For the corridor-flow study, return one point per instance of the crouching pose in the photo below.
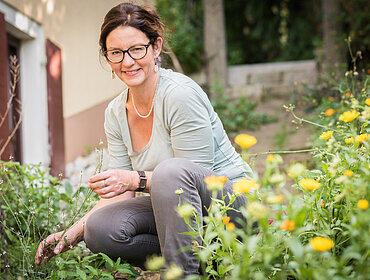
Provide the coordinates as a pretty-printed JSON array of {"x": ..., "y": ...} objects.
[{"x": 162, "y": 134}]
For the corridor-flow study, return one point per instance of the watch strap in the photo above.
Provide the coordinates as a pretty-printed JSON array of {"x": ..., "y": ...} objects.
[{"x": 142, "y": 183}]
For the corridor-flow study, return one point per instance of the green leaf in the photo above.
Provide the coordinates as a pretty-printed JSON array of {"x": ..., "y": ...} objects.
[
  {"x": 108, "y": 260},
  {"x": 296, "y": 247},
  {"x": 125, "y": 270},
  {"x": 93, "y": 270},
  {"x": 68, "y": 187},
  {"x": 81, "y": 273}
]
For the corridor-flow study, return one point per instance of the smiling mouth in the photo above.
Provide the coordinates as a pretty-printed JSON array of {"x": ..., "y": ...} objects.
[{"x": 131, "y": 72}]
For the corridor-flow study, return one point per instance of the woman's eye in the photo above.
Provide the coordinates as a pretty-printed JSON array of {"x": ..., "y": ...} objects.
[{"x": 136, "y": 49}]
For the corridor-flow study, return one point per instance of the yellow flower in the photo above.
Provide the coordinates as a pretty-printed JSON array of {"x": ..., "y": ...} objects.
[
  {"x": 273, "y": 199},
  {"x": 270, "y": 158},
  {"x": 348, "y": 173},
  {"x": 296, "y": 170},
  {"x": 245, "y": 141},
  {"x": 215, "y": 183},
  {"x": 363, "y": 204},
  {"x": 174, "y": 272},
  {"x": 154, "y": 262},
  {"x": 288, "y": 225},
  {"x": 185, "y": 210},
  {"x": 326, "y": 135},
  {"x": 349, "y": 116},
  {"x": 309, "y": 184},
  {"x": 321, "y": 244},
  {"x": 361, "y": 138},
  {"x": 367, "y": 101},
  {"x": 226, "y": 219},
  {"x": 257, "y": 210},
  {"x": 230, "y": 226},
  {"x": 349, "y": 140},
  {"x": 245, "y": 185},
  {"x": 329, "y": 112},
  {"x": 276, "y": 178}
]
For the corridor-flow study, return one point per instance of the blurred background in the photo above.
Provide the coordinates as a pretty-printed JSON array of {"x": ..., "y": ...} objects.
[{"x": 245, "y": 54}]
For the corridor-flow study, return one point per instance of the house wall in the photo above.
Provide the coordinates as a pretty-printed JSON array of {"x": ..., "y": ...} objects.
[{"x": 74, "y": 26}]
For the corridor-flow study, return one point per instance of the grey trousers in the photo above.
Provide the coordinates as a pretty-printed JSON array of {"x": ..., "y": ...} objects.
[{"x": 136, "y": 228}]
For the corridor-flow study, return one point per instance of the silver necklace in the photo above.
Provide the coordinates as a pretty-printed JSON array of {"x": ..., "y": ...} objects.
[{"x": 141, "y": 116}]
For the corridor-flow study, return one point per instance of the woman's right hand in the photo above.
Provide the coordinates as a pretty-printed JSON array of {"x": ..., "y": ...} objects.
[{"x": 55, "y": 243}]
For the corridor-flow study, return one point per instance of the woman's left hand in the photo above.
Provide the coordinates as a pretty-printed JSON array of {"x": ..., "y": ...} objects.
[{"x": 111, "y": 183}]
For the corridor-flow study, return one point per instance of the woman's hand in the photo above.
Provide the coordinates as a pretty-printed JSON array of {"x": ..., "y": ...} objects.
[
  {"x": 111, "y": 183},
  {"x": 55, "y": 243}
]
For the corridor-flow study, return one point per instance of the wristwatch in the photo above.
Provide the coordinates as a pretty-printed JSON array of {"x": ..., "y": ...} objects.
[{"x": 142, "y": 184}]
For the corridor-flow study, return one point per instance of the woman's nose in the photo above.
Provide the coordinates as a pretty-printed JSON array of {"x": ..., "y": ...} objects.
[{"x": 127, "y": 60}]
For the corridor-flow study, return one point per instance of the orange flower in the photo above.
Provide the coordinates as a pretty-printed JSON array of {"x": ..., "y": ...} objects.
[
  {"x": 361, "y": 138},
  {"x": 330, "y": 98},
  {"x": 321, "y": 244},
  {"x": 230, "y": 226},
  {"x": 349, "y": 116},
  {"x": 349, "y": 140},
  {"x": 226, "y": 219},
  {"x": 322, "y": 203},
  {"x": 309, "y": 184},
  {"x": 245, "y": 141},
  {"x": 288, "y": 225},
  {"x": 326, "y": 135},
  {"x": 275, "y": 199},
  {"x": 329, "y": 112},
  {"x": 348, "y": 94},
  {"x": 215, "y": 183}
]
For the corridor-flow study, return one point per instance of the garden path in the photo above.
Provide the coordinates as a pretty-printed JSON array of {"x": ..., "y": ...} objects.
[{"x": 279, "y": 135}]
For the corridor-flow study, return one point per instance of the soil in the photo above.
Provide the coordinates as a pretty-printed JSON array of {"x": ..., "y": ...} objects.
[{"x": 279, "y": 135}]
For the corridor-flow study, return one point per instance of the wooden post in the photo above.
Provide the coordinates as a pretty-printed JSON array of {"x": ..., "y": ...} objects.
[
  {"x": 4, "y": 90},
  {"x": 55, "y": 108}
]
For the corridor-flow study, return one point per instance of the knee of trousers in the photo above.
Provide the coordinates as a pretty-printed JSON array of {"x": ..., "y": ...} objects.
[
  {"x": 101, "y": 235},
  {"x": 169, "y": 174}
]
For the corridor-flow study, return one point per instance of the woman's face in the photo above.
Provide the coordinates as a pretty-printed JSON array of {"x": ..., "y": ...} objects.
[{"x": 133, "y": 72}]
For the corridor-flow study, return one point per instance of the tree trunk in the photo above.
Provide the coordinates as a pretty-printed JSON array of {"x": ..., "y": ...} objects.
[
  {"x": 334, "y": 45},
  {"x": 215, "y": 43}
]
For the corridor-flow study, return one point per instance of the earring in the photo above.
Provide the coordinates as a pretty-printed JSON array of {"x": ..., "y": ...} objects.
[
  {"x": 156, "y": 68},
  {"x": 113, "y": 76}
]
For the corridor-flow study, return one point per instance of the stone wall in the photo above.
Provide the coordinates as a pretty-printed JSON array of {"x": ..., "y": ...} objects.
[{"x": 278, "y": 78}]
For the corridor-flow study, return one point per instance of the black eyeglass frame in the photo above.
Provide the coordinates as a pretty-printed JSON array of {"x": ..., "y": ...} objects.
[{"x": 127, "y": 51}]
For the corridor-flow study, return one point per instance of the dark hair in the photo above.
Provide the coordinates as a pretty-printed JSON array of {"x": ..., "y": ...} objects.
[{"x": 127, "y": 14}]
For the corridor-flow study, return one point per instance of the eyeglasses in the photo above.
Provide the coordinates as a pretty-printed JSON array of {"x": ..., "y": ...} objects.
[{"x": 135, "y": 52}]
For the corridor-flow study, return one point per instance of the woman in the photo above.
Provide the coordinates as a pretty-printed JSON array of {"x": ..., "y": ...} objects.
[{"x": 163, "y": 134}]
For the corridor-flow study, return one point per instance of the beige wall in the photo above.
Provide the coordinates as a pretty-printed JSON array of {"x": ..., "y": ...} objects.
[{"x": 74, "y": 25}]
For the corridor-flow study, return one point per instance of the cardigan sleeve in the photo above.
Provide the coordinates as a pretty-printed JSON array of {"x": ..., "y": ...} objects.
[
  {"x": 118, "y": 154},
  {"x": 190, "y": 126}
]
